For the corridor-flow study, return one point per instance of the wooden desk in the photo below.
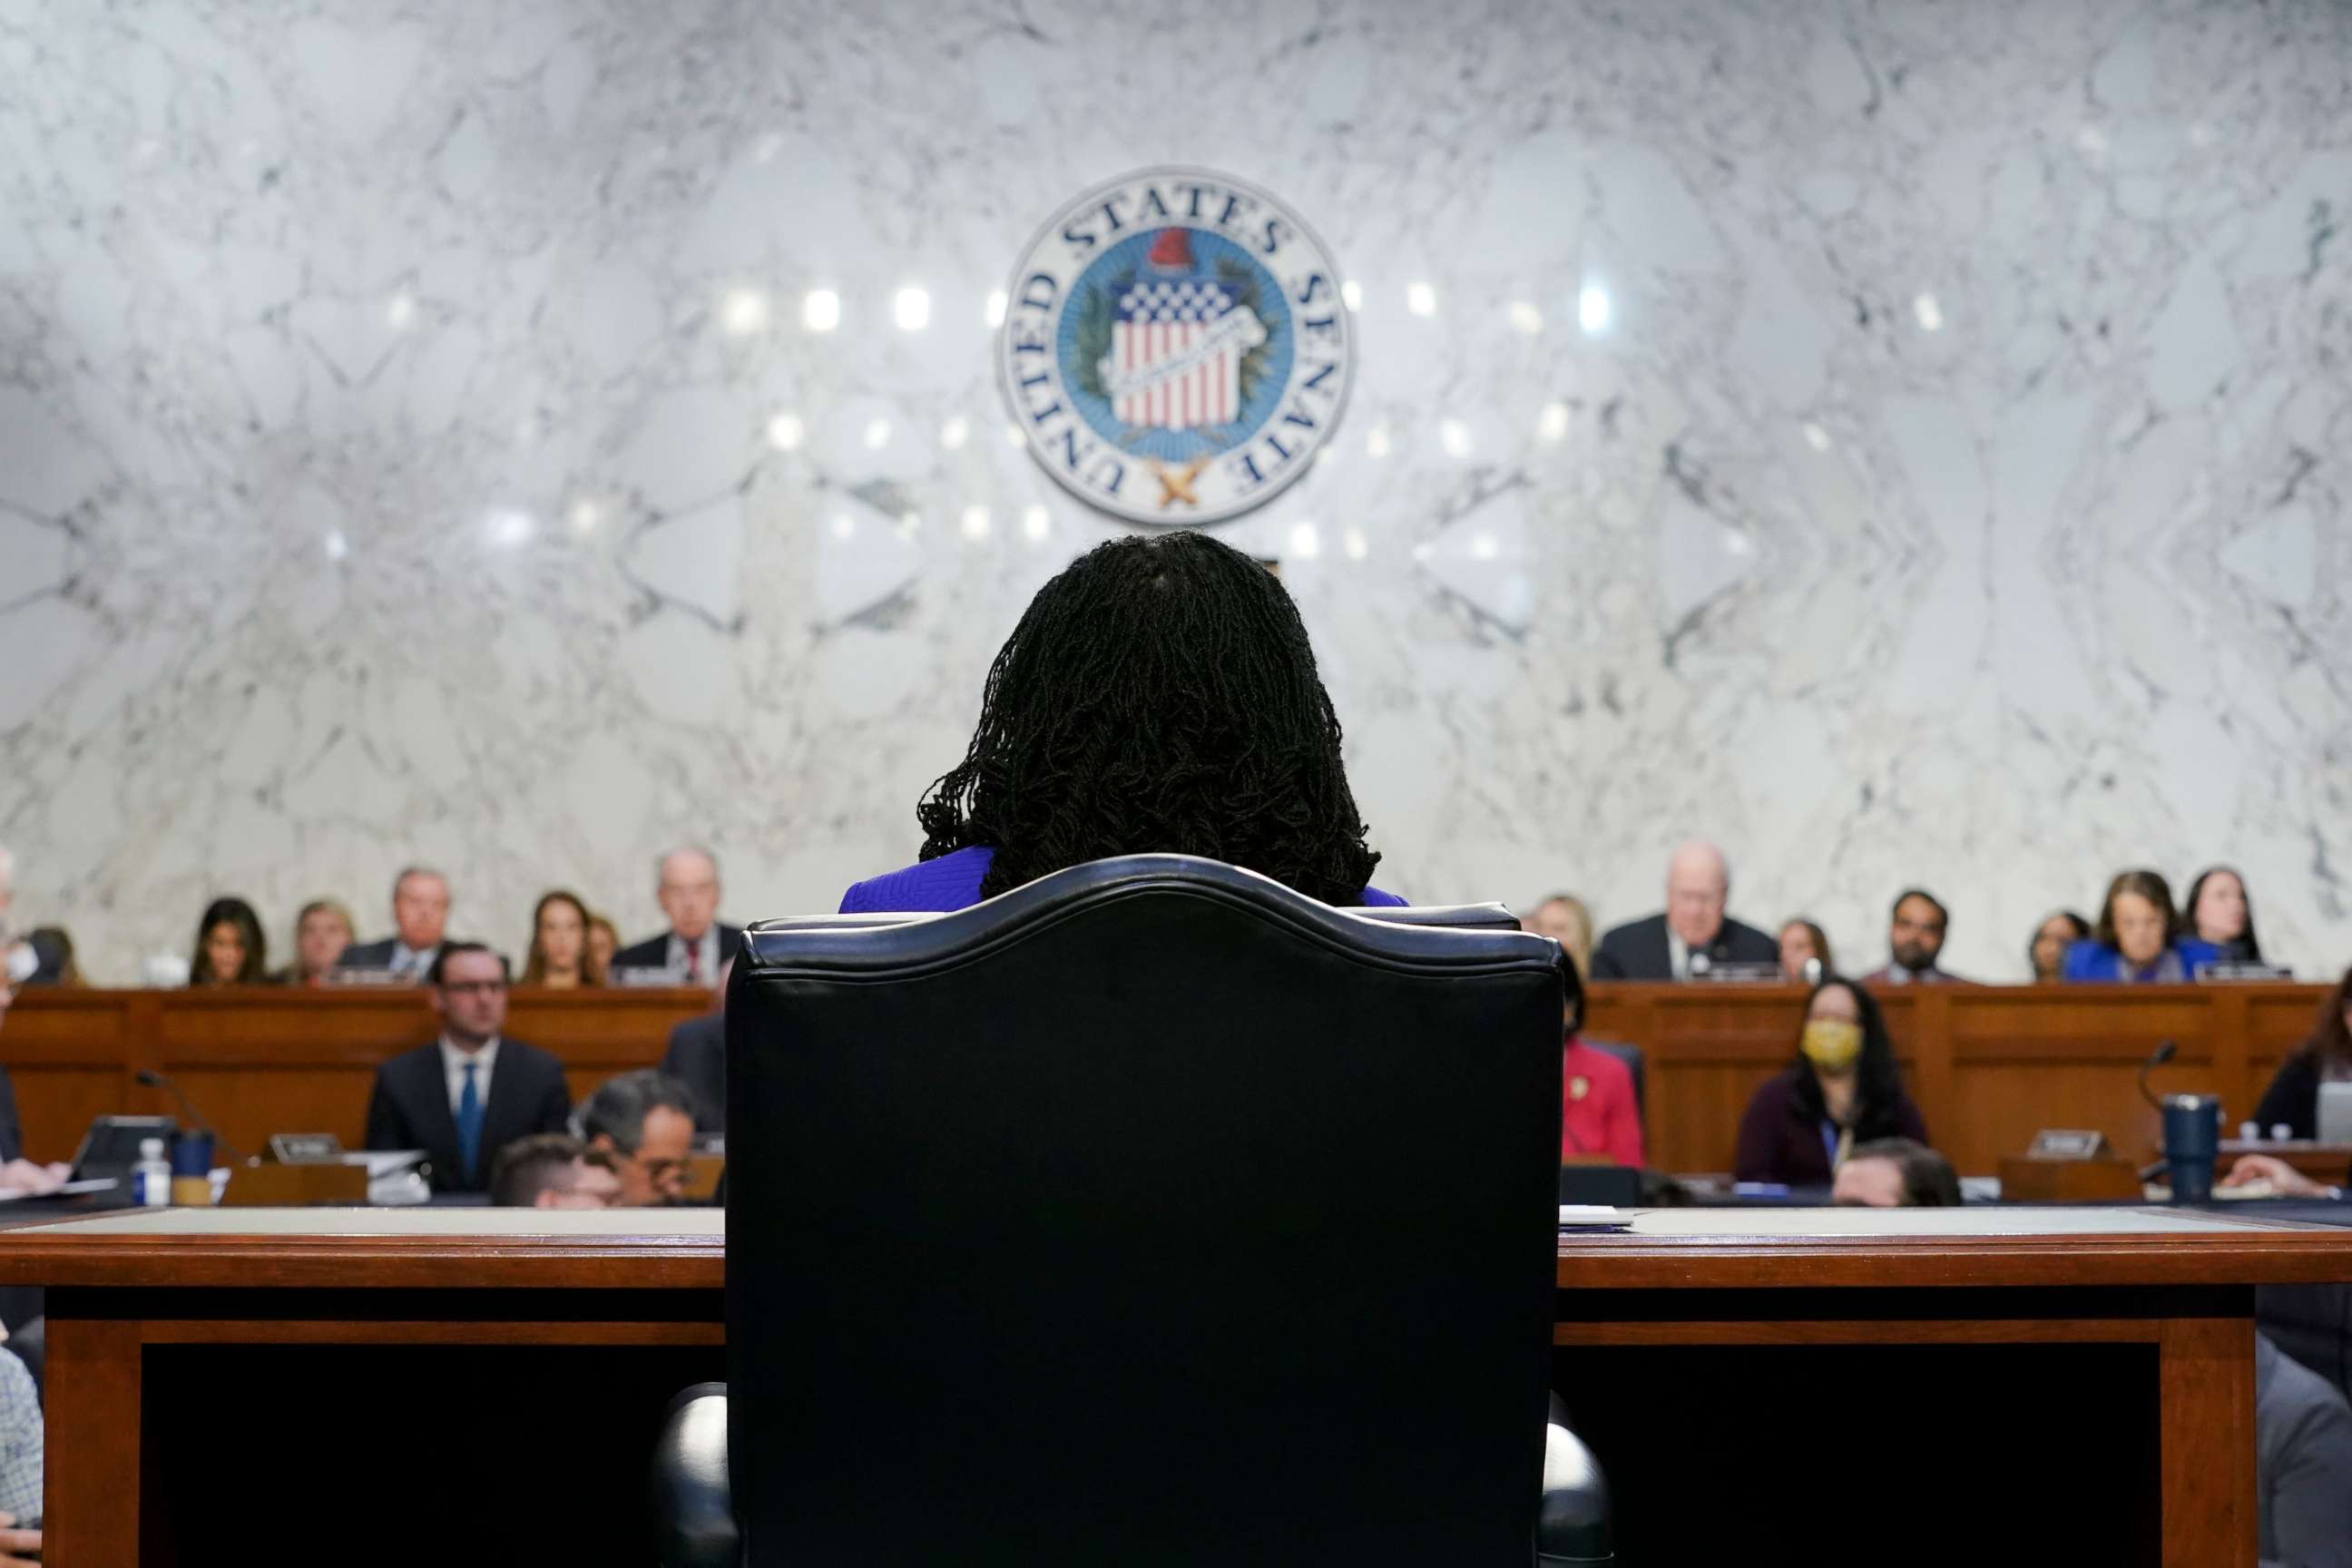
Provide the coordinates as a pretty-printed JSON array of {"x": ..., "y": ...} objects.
[
  {"x": 1988, "y": 1065},
  {"x": 260, "y": 1060},
  {"x": 221, "y": 1357}
]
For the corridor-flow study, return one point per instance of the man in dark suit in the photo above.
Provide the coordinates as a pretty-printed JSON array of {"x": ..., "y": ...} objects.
[
  {"x": 420, "y": 915},
  {"x": 686, "y": 885},
  {"x": 697, "y": 1057},
  {"x": 470, "y": 1093},
  {"x": 1693, "y": 933}
]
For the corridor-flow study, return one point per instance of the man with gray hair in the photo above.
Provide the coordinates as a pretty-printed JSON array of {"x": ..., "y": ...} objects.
[
  {"x": 1693, "y": 934},
  {"x": 686, "y": 885},
  {"x": 420, "y": 919},
  {"x": 644, "y": 1123}
]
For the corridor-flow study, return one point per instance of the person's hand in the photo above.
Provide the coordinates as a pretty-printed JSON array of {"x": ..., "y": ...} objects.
[
  {"x": 24, "y": 1177},
  {"x": 2283, "y": 1178},
  {"x": 18, "y": 1548}
]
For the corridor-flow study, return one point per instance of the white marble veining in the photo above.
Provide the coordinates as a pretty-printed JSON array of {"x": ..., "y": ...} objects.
[{"x": 1906, "y": 442}]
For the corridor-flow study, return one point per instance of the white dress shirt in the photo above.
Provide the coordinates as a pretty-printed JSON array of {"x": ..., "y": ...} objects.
[
  {"x": 1677, "y": 955},
  {"x": 411, "y": 961},
  {"x": 453, "y": 1068}
]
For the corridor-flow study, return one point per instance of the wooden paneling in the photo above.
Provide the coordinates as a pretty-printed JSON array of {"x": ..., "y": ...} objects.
[
  {"x": 262, "y": 1060},
  {"x": 1989, "y": 1066}
]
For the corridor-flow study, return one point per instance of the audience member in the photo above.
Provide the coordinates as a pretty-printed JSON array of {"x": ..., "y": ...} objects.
[
  {"x": 1896, "y": 1173},
  {"x": 1598, "y": 1112},
  {"x": 322, "y": 934},
  {"x": 697, "y": 1057},
  {"x": 1691, "y": 934},
  {"x": 230, "y": 947},
  {"x": 686, "y": 885},
  {"x": 19, "y": 1175},
  {"x": 642, "y": 1121},
  {"x": 2302, "y": 1465},
  {"x": 2325, "y": 1057},
  {"x": 1805, "y": 952},
  {"x": 54, "y": 963},
  {"x": 1159, "y": 694},
  {"x": 1914, "y": 943},
  {"x": 22, "y": 1477},
  {"x": 19, "y": 963},
  {"x": 559, "y": 955},
  {"x": 420, "y": 917},
  {"x": 553, "y": 1170},
  {"x": 470, "y": 1093},
  {"x": 2138, "y": 936},
  {"x": 1565, "y": 920},
  {"x": 2218, "y": 911},
  {"x": 603, "y": 945},
  {"x": 2047, "y": 951},
  {"x": 1842, "y": 1091}
]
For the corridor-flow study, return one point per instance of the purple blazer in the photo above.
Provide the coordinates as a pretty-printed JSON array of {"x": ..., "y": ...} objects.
[{"x": 953, "y": 883}]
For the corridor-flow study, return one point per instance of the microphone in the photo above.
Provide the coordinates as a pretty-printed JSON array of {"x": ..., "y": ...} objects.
[
  {"x": 164, "y": 1081},
  {"x": 2155, "y": 1058}
]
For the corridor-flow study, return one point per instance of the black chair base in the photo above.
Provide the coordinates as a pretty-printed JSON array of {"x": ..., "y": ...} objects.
[{"x": 697, "y": 1520}]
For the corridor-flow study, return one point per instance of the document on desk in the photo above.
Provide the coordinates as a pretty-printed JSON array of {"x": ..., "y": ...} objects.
[
  {"x": 1594, "y": 1216},
  {"x": 71, "y": 1189}
]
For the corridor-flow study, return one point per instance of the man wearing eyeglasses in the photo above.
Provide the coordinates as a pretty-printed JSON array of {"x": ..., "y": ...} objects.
[
  {"x": 644, "y": 1121},
  {"x": 470, "y": 1093}
]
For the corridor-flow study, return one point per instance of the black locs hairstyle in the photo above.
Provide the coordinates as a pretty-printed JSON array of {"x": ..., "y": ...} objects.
[{"x": 1159, "y": 696}]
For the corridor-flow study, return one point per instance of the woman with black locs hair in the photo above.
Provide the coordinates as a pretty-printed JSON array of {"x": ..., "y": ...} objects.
[{"x": 1159, "y": 696}]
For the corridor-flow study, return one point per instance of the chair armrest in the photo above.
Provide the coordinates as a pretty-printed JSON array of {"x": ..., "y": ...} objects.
[
  {"x": 1573, "y": 1526},
  {"x": 694, "y": 1514}
]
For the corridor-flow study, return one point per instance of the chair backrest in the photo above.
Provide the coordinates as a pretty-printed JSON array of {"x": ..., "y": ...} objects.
[
  {"x": 1149, "y": 1213},
  {"x": 1636, "y": 1066}
]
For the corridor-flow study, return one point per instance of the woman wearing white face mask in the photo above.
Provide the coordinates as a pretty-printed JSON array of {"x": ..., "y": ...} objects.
[{"x": 1841, "y": 1090}]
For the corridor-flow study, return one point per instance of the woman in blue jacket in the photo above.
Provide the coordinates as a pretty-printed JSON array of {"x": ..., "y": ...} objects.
[{"x": 2138, "y": 937}]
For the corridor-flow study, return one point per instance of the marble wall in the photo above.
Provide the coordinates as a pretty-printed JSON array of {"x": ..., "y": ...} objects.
[{"x": 1905, "y": 441}]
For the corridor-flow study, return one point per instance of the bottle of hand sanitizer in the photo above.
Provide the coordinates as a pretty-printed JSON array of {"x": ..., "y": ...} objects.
[{"x": 151, "y": 1177}]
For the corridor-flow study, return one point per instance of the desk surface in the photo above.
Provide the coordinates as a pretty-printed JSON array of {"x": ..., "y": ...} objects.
[{"x": 1665, "y": 1249}]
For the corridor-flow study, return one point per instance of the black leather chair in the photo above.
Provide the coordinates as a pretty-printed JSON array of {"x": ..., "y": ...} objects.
[{"x": 1150, "y": 1213}]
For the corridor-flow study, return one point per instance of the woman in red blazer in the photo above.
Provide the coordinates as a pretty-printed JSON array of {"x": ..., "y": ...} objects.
[{"x": 1598, "y": 1114}]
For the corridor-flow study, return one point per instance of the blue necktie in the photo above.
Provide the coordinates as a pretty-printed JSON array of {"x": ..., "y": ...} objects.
[{"x": 469, "y": 1122}]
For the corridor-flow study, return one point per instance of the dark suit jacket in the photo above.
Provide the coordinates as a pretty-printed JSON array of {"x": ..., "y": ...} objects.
[
  {"x": 410, "y": 1109},
  {"x": 12, "y": 1135},
  {"x": 697, "y": 1057},
  {"x": 654, "y": 951},
  {"x": 1637, "y": 950},
  {"x": 370, "y": 955},
  {"x": 2293, "y": 1097}
]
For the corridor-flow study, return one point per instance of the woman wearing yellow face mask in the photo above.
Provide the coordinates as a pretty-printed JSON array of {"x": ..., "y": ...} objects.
[{"x": 1841, "y": 1091}]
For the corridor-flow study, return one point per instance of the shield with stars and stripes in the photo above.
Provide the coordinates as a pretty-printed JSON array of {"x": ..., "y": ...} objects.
[{"x": 1176, "y": 348}]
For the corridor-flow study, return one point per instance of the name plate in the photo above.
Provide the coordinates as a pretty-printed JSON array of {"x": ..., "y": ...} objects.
[
  {"x": 1740, "y": 973},
  {"x": 366, "y": 977},
  {"x": 648, "y": 978},
  {"x": 2228, "y": 970},
  {"x": 2069, "y": 1144},
  {"x": 307, "y": 1149}
]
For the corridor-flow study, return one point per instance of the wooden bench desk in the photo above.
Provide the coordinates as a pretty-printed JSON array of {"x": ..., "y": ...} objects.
[{"x": 205, "y": 1365}]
